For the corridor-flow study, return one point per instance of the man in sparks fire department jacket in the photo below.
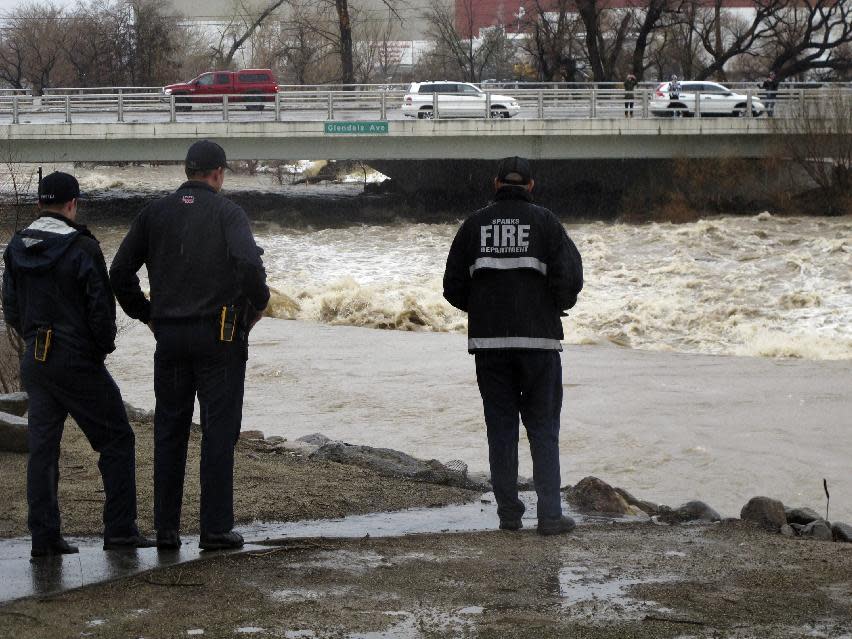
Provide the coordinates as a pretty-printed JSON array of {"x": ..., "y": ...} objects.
[{"x": 514, "y": 270}]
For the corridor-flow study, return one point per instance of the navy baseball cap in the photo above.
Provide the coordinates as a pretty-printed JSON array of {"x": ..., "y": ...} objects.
[
  {"x": 514, "y": 170},
  {"x": 205, "y": 155},
  {"x": 58, "y": 188}
]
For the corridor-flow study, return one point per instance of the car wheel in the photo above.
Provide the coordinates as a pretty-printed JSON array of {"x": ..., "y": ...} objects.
[
  {"x": 678, "y": 110},
  {"x": 499, "y": 113},
  {"x": 740, "y": 111},
  {"x": 182, "y": 102},
  {"x": 426, "y": 114}
]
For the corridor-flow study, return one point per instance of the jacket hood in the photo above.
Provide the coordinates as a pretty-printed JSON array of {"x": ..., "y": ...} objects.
[{"x": 39, "y": 246}]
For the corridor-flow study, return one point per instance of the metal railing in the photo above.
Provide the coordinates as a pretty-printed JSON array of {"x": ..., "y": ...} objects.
[{"x": 317, "y": 105}]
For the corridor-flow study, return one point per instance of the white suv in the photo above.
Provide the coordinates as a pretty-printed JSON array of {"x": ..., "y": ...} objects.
[
  {"x": 714, "y": 99},
  {"x": 455, "y": 100}
]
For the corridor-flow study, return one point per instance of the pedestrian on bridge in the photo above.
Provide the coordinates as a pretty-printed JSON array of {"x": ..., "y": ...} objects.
[
  {"x": 629, "y": 85},
  {"x": 770, "y": 85},
  {"x": 514, "y": 270},
  {"x": 56, "y": 296},
  {"x": 208, "y": 289}
]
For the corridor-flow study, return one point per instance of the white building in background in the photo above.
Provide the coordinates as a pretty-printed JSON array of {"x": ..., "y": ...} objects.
[{"x": 407, "y": 37}]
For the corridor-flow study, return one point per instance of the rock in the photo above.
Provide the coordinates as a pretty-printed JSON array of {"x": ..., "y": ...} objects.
[
  {"x": 765, "y": 512},
  {"x": 137, "y": 414},
  {"x": 251, "y": 434},
  {"x": 393, "y": 463},
  {"x": 14, "y": 403},
  {"x": 315, "y": 439},
  {"x": 13, "y": 433},
  {"x": 593, "y": 495},
  {"x": 800, "y": 515},
  {"x": 648, "y": 507},
  {"x": 787, "y": 531},
  {"x": 819, "y": 530},
  {"x": 690, "y": 511},
  {"x": 275, "y": 439},
  {"x": 842, "y": 532}
]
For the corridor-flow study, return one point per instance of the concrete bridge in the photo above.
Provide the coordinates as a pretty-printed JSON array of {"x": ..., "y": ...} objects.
[{"x": 546, "y": 139}]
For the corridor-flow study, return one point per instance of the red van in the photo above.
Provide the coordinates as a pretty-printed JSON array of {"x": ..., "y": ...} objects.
[{"x": 257, "y": 85}]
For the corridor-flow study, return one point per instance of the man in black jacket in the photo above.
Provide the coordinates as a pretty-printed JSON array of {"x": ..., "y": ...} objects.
[
  {"x": 208, "y": 288},
  {"x": 513, "y": 269},
  {"x": 56, "y": 295}
]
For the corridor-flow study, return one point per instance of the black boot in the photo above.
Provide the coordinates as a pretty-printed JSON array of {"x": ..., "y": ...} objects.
[
  {"x": 220, "y": 541},
  {"x": 168, "y": 539},
  {"x": 128, "y": 543},
  {"x": 56, "y": 547}
]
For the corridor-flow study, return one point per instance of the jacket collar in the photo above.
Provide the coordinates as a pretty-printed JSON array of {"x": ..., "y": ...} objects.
[
  {"x": 196, "y": 184},
  {"x": 51, "y": 222},
  {"x": 513, "y": 193}
]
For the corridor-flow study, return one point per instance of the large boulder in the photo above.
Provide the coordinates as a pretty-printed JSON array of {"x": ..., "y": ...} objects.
[
  {"x": 593, "y": 495},
  {"x": 314, "y": 439},
  {"x": 138, "y": 415},
  {"x": 841, "y": 532},
  {"x": 14, "y": 403},
  {"x": 13, "y": 433},
  {"x": 690, "y": 511},
  {"x": 394, "y": 463},
  {"x": 819, "y": 530},
  {"x": 765, "y": 512},
  {"x": 802, "y": 516}
]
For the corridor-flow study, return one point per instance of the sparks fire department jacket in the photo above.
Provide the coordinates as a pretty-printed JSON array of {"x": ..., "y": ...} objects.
[{"x": 514, "y": 269}]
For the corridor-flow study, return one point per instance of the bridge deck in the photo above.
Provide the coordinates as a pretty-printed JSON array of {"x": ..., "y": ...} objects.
[{"x": 414, "y": 140}]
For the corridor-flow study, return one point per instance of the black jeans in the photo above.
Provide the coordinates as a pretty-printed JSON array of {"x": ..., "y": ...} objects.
[
  {"x": 189, "y": 360},
  {"x": 528, "y": 384},
  {"x": 68, "y": 383}
]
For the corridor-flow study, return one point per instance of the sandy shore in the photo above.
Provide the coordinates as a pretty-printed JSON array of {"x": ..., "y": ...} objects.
[{"x": 268, "y": 486}]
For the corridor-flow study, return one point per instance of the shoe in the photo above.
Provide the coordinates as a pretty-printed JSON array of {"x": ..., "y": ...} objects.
[
  {"x": 558, "y": 526},
  {"x": 168, "y": 540},
  {"x": 55, "y": 547},
  {"x": 128, "y": 543},
  {"x": 220, "y": 541},
  {"x": 511, "y": 524}
]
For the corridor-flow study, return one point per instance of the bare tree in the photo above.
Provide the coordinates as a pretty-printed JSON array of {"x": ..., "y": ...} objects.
[
  {"x": 462, "y": 45},
  {"x": 34, "y": 45},
  {"x": 553, "y": 31},
  {"x": 810, "y": 35}
]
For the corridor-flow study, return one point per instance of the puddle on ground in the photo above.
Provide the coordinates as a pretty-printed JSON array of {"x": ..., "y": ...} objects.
[
  {"x": 600, "y": 595},
  {"x": 24, "y": 578}
]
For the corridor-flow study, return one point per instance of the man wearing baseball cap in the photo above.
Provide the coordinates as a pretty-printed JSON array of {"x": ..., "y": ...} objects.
[
  {"x": 208, "y": 288},
  {"x": 56, "y": 295},
  {"x": 514, "y": 270}
]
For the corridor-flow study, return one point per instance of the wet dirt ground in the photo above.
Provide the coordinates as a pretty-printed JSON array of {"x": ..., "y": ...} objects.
[
  {"x": 604, "y": 580},
  {"x": 269, "y": 485}
]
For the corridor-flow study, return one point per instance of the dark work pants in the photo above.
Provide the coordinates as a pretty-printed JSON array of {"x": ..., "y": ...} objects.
[
  {"x": 528, "y": 384},
  {"x": 189, "y": 360},
  {"x": 68, "y": 383}
]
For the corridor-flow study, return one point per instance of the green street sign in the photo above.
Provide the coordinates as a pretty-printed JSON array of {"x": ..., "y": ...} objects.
[{"x": 357, "y": 128}]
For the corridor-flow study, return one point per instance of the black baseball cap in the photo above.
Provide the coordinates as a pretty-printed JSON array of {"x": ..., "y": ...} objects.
[
  {"x": 205, "y": 155},
  {"x": 58, "y": 188},
  {"x": 514, "y": 170}
]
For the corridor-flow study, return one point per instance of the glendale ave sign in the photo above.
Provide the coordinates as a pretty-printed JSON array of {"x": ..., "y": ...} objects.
[{"x": 358, "y": 128}]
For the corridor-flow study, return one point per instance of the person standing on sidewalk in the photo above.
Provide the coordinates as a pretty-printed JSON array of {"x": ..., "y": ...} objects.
[
  {"x": 770, "y": 85},
  {"x": 514, "y": 270},
  {"x": 629, "y": 86},
  {"x": 56, "y": 296},
  {"x": 208, "y": 289}
]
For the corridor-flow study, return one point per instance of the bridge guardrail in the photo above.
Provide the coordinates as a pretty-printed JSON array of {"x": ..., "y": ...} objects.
[{"x": 287, "y": 105}]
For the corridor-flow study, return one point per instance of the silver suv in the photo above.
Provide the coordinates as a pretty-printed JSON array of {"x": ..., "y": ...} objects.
[
  {"x": 455, "y": 100},
  {"x": 713, "y": 99}
]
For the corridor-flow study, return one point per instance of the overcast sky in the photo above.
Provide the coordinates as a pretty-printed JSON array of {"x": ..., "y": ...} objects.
[{"x": 7, "y": 5}]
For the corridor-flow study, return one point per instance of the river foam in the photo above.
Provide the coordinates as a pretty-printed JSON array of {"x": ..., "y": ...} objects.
[{"x": 759, "y": 286}]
